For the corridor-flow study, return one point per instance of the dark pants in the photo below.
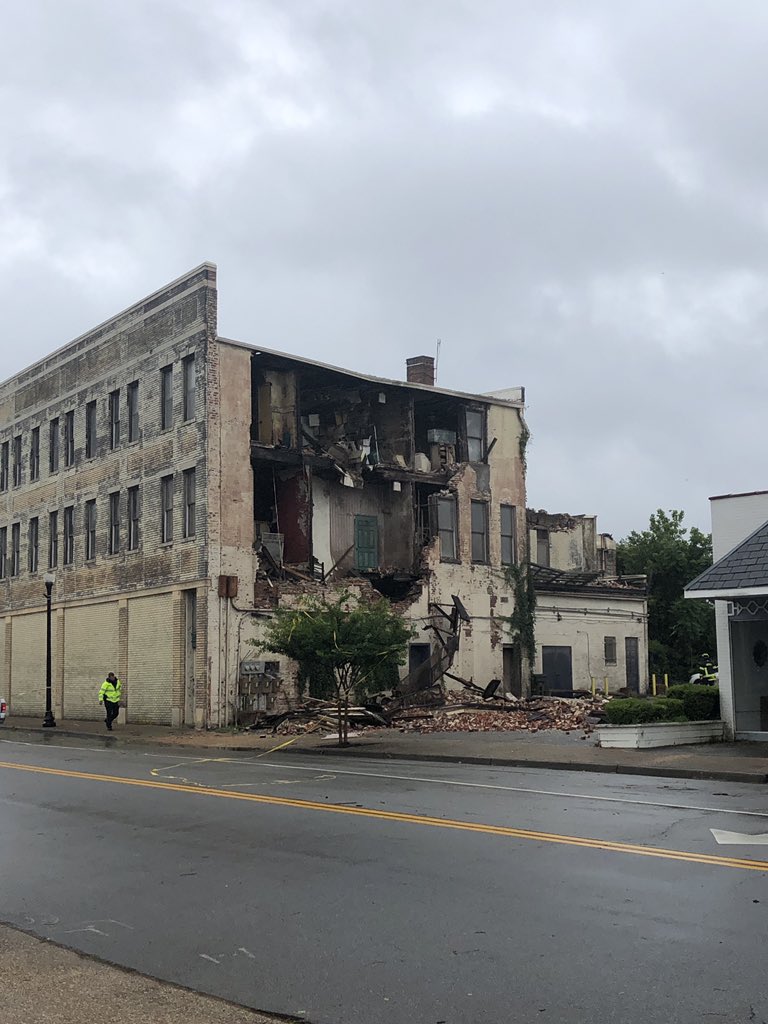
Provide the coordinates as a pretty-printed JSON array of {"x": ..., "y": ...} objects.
[{"x": 112, "y": 709}]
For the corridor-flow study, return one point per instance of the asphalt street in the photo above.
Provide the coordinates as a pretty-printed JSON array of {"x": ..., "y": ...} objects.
[{"x": 362, "y": 893}]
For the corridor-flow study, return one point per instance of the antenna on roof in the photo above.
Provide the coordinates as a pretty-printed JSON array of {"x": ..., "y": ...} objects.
[{"x": 437, "y": 357}]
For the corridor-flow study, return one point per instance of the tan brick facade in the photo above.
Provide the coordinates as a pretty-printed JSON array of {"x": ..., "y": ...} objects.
[{"x": 99, "y": 622}]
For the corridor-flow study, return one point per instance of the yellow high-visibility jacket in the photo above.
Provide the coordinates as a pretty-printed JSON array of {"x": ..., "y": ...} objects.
[{"x": 110, "y": 691}]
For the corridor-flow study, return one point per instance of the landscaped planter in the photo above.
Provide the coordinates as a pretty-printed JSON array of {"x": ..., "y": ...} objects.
[{"x": 659, "y": 734}]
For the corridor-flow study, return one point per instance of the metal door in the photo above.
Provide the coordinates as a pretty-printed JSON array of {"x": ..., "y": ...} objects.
[
  {"x": 632, "y": 658},
  {"x": 557, "y": 669},
  {"x": 366, "y": 542}
]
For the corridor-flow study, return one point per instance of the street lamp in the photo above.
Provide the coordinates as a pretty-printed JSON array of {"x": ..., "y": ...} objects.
[{"x": 49, "y": 722}]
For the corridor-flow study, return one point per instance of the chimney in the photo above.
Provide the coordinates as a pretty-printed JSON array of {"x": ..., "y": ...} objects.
[{"x": 420, "y": 370}]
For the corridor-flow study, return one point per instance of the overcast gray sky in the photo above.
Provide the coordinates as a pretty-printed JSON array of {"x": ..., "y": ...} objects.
[{"x": 573, "y": 196}]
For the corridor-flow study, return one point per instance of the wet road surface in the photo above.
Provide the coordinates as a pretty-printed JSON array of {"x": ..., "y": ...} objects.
[{"x": 359, "y": 893}]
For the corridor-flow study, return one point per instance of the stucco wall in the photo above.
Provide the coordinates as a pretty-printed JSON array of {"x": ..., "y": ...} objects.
[{"x": 582, "y": 623}]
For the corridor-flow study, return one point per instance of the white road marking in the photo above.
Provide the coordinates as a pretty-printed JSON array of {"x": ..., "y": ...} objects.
[
  {"x": 204, "y": 956},
  {"x": 247, "y": 952},
  {"x": 739, "y": 838},
  {"x": 255, "y": 762}
]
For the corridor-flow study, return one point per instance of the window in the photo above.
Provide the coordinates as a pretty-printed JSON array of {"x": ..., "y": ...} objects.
[
  {"x": 53, "y": 540},
  {"x": 69, "y": 535},
  {"x": 69, "y": 439},
  {"x": 188, "y": 383},
  {"x": 190, "y": 517},
  {"x": 542, "y": 547},
  {"x": 114, "y": 419},
  {"x": 90, "y": 430},
  {"x": 32, "y": 544},
  {"x": 17, "y": 460},
  {"x": 4, "y": 463},
  {"x": 446, "y": 528},
  {"x": 133, "y": 518},
  {"x": 114, "y": 523},
  {"x": 90, "y": 530},
  {"x": 508, "y": 535},
  {"x": 53, "y": 445},
  {"x": 166, "y": 397},
  {"x": 34, "y": 454},
  {"x": 15, "y": 548},
  {"x": 133, "y": 411},
  {"x": 475, "y": 424},
  {"x": 479, "y": 531},
  {"x": 166, "y": 505},
  {"x": 609, "y": 644},
  {"x": 3, "y": 552}
]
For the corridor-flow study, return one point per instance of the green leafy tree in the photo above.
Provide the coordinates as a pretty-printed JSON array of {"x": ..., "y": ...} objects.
[
  {"x": 671, "y": 555},
  {"x": 343, "y": 649}
]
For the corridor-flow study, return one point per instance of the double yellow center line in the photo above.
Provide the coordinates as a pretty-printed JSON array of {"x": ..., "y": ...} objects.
[{"x": 407, "y": 819}]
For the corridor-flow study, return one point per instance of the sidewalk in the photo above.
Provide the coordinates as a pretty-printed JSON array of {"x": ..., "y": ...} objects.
[
  {"x": 727, "y": 762},
  {"x": 47, "y": 984}
]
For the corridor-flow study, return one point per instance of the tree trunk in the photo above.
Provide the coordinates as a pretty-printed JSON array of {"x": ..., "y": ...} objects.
[
  {"x": 340, "y": 717},
  {"x": 346, "y": 720}
]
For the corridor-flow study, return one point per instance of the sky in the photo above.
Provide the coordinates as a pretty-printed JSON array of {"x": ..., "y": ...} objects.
[{"x": 572, "y": 196}]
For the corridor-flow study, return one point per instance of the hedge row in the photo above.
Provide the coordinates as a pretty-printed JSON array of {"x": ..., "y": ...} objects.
[{"x": 685, "y": 703}]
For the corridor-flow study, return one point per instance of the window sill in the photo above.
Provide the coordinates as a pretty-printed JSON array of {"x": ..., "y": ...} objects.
[{"x": 165, "y": 544}]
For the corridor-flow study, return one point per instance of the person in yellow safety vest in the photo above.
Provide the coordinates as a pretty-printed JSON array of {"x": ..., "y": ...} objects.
[{"x": 109, "y": 695}]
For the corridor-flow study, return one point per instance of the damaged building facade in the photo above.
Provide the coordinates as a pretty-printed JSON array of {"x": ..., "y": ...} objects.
[
  {"x": 179, "y": 486},
  {"x": 591, "y": 623}
]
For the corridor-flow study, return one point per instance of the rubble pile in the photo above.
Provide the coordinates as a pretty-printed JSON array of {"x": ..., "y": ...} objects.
[
  {"x": 567, "y": 714},
  {"x": 454, "y": 712}
]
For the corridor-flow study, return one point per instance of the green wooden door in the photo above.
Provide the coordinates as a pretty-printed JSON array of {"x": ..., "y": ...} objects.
[{"x": 366, "y": 542}]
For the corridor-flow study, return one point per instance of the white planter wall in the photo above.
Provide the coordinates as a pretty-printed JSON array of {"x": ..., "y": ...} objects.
[{"x": 659, "y": 734}]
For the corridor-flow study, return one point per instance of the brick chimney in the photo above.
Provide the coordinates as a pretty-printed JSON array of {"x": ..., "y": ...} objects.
[{"x": 420, "y": 370}]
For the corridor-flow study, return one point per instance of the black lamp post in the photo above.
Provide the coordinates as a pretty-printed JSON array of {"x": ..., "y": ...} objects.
[{"x": 49, "y": 722}]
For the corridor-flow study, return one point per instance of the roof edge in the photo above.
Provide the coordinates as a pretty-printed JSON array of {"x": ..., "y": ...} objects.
[{"x": 427, "y": 388}]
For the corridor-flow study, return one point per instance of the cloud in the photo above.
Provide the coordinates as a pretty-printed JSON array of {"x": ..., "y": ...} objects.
[{"x": 571, "y": 197}]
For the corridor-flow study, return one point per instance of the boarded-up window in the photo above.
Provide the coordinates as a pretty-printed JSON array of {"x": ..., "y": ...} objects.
[
  {"x": 90, "y": 430},
  {"x": 609, "y": 644},
  {"x": 475, "y": 426},
  {"x": 542, "y": 547},
  {"x": 446, "y": 528},
  {"x": 166, "y": 397},
  {"x": 479, "y": 515},
  {"x": 508, "y": 535}
]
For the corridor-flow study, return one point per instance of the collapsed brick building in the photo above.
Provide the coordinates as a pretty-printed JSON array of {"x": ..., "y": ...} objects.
[{"x": 179, "y": 486}]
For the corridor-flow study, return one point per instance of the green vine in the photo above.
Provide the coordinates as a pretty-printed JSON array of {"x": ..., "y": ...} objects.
[
  {"x": 525, "y": 437},
  {"x": 522, "y": 621}
]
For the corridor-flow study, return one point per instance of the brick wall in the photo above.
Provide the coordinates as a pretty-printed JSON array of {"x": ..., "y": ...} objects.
[{"x": 174, "y": 323}]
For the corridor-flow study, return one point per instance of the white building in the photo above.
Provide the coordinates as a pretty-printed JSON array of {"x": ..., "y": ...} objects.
[
  {"x": 591, "y": 624},
  {"x": 738, "y": 585}
]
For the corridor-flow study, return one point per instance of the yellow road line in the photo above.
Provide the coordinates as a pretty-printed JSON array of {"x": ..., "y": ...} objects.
[{"x": 410, "y": 819}]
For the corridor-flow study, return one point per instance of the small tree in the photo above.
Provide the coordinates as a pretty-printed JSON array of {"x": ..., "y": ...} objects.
[{"x": 348, "y": 646}]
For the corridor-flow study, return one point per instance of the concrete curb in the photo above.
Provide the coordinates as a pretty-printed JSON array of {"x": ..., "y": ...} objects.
[{"x": 653, "y": 771}]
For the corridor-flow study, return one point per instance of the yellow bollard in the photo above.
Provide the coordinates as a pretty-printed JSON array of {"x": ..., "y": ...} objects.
[
  {"x": 653, "y": 684},
  {"x": 666, "y": 681},
  {"x": 592, "y": 680},
  {"x": 605, "y": 683}
]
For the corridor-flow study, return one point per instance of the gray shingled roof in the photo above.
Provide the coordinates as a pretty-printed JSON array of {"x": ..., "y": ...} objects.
[{"x": 745, "y": 566}]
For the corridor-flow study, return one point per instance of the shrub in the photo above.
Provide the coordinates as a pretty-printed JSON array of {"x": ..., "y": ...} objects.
[
  {"x": 637, "y": 711},
  {"x": 700, "y": 703}
]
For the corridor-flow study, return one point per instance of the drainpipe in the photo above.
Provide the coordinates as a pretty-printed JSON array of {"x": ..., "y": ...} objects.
[{"x": 589, "y": 660}]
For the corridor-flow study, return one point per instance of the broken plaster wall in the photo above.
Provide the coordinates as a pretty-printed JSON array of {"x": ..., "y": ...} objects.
[
  {"x": 232, "y": 498},
  {"x": 333, "y": 522},
  {"x": 572, "y": 540},
  {"x": 276, "y": 402}
]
